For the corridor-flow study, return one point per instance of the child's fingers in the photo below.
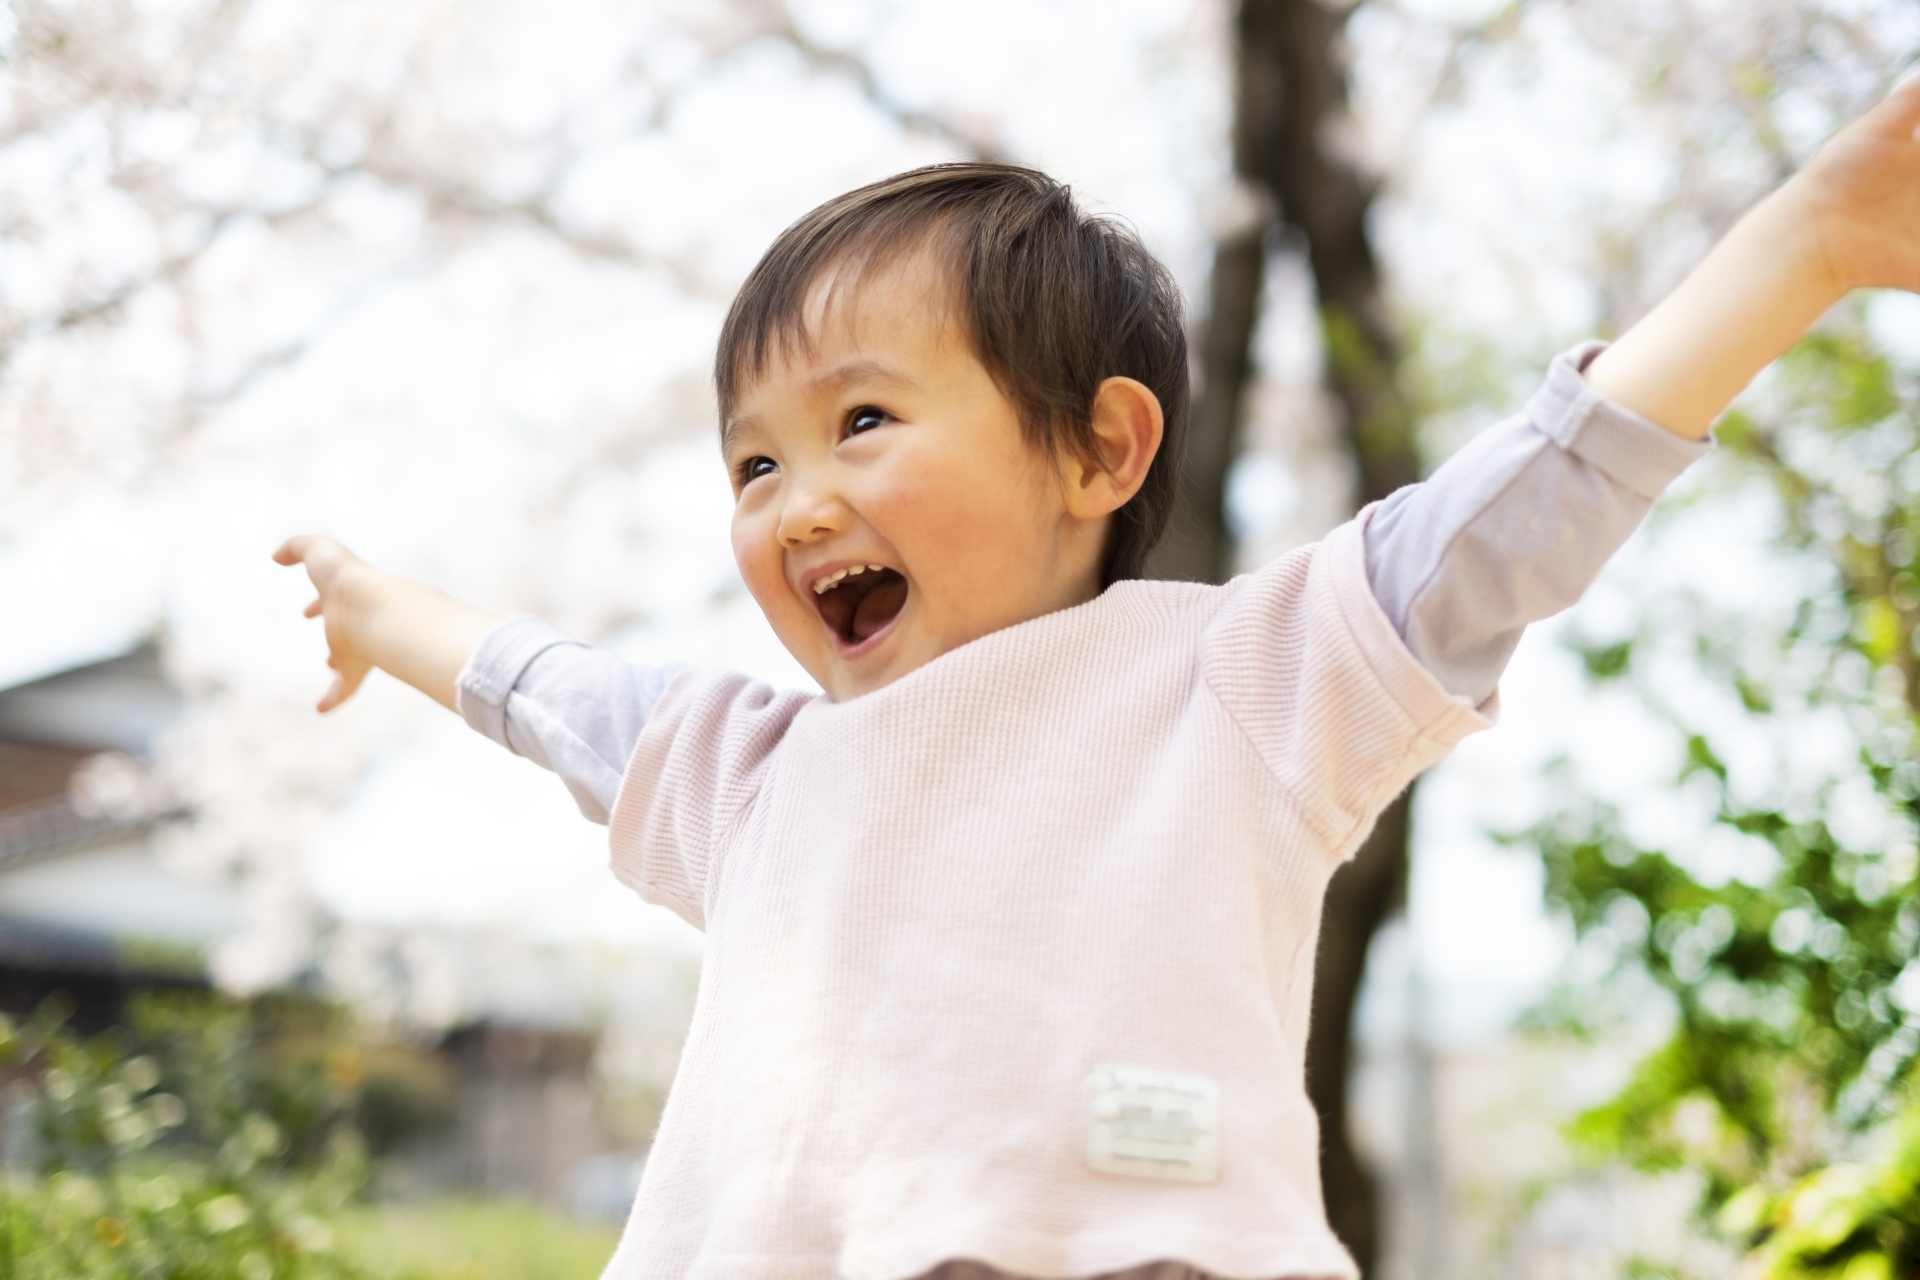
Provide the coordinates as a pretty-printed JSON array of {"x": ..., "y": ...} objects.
[
  {"x": 313, "y": 610},
  {"x": 341, "y": 689},
  {"x": 310, "y": 549},
  {"x": 335, "y": 695},
  {"x": 1900, "y": 110}
]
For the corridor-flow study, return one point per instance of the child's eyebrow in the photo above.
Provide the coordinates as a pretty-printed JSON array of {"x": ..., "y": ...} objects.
[
  {"x": 731, "y": 433},
  {"x": 847, "y": 373},
  {"x": 863, "y": 370}
]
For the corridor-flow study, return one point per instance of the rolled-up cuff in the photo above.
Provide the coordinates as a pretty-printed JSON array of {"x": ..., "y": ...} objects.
[
  {"x": 1635, "y": 451},
  {"x": 495, "y": 668}
]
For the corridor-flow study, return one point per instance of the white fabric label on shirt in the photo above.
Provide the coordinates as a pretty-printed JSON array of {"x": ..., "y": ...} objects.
[{"x": 1153, "y": 1124}]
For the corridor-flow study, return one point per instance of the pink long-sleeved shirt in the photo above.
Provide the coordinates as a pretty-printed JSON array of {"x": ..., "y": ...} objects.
[{"x": 1091, "y": 847}]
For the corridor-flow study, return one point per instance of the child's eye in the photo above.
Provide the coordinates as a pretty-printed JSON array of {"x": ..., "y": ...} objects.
[
  {"x": 866, "y": 418},
  {"x": 753, "y": 468}
]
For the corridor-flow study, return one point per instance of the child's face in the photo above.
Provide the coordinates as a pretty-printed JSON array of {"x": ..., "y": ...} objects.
[{"x": 887, "y": 454}]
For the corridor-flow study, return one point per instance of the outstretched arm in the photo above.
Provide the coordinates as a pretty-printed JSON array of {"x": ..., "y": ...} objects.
[
  {"x": 1515, "y": 526},
  {"x": 373, "y": 619},
  {"x": 1849, "y": 220}
]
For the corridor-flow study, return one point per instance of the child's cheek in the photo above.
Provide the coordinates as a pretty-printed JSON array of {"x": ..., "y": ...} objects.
[
  {"x": 961, "y": 522},
  {"x": 756, "y": 551},
  {"x": 918, "y": 509}
]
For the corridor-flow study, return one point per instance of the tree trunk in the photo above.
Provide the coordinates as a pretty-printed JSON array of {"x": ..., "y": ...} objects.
[
  {"x": 1364, "y": 894},
  {"x": 1199, "y": 546},
  {"x": 1291, "y": 100}
]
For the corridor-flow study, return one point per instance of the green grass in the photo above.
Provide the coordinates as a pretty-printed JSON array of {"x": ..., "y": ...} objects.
[{"x": 474, "y": 1240}]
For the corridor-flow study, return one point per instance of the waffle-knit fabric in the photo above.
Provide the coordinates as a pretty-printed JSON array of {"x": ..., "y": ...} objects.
[{"x": 1097, "y": 837}]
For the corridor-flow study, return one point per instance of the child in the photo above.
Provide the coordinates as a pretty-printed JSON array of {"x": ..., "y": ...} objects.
[{"x": 1011, "y": 932}]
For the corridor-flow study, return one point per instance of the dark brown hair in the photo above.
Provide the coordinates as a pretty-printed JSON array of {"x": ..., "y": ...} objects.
[{"x": 1053, "y": 301}]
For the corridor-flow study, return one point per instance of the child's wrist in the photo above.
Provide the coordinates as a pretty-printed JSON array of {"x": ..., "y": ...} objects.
[
  {"x": 365, "y": 592},
  {"x": 1793, "y": 220}
]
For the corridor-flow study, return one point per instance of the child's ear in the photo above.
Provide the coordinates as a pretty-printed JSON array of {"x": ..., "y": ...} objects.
[{"x": 1127, "y": 425}]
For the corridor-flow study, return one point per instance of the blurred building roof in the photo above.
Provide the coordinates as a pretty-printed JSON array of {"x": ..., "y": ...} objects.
[
  {"x": 84, "y": 900},
  {"x": 117, "y": 705}
]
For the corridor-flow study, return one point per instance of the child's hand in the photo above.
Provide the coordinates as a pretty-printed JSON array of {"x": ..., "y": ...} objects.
[
  {"x": 1862, "y": 196},
  {"x": 333, "y": 570},
  {"x": 374, "y": 619}
]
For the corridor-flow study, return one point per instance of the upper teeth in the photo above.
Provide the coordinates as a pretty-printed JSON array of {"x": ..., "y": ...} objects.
[{"x": 832, "y": 580}]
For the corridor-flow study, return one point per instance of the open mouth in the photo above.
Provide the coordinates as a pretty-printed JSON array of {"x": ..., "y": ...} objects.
[{"x": 859, "y": 602}]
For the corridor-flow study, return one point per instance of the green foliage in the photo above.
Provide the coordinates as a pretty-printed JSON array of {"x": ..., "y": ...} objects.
[
  {"x": 474, "y": 1240},
  {"x": 221, "y": 1139},
  {"x": 188, "y": 1222},
  {"x": 208, "y": 1138},
  {"x": 1847, "y": 1221},
  {"x": 1792, "y": 979}
]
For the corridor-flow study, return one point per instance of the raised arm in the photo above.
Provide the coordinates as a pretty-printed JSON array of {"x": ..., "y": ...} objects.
[
  {"x": 1514, "y": 527},
  {"x": 1849, "y": 220},
  {"x": 373, "y": 619}
]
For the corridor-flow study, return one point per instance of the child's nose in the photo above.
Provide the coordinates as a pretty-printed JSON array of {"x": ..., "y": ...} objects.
[{"x": 811, "y": 513}]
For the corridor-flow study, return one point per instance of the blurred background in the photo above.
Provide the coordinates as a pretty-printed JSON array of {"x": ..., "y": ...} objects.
[{"x": 1624, "y": 988}]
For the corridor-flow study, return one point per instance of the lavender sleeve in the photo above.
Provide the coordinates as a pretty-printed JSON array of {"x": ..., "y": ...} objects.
[
  {"x": 562, "y": 704},
  {"x": 1516, "y": 525}
]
